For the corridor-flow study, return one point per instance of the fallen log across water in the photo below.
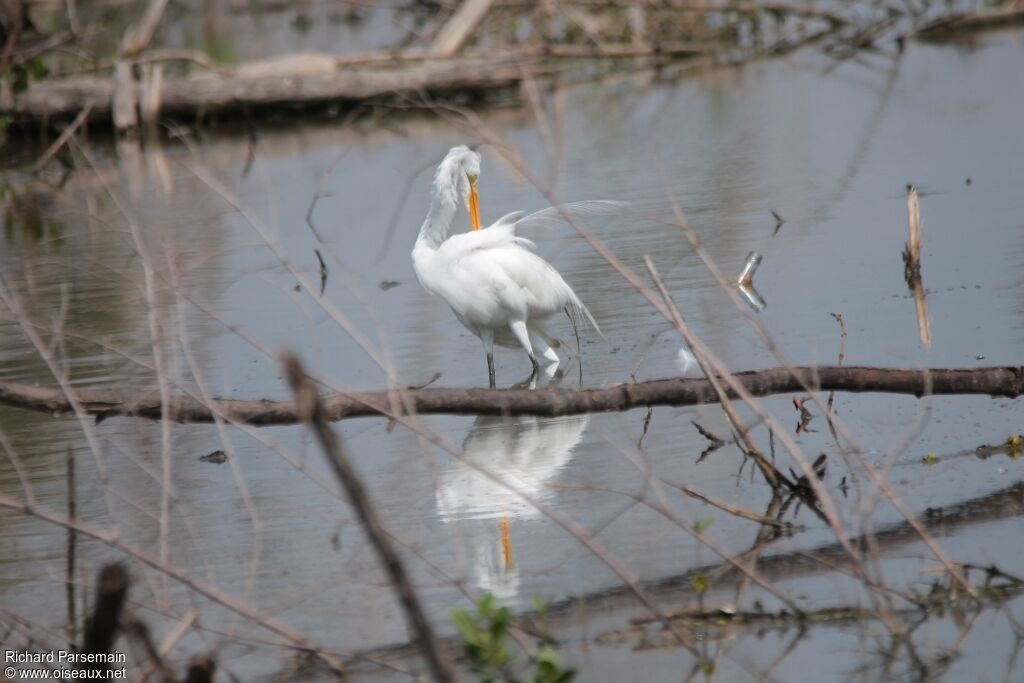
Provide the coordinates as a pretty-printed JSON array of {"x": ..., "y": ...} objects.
[
  {"x": 294, "y": 82},
  {"x": 1002, "y": 381}
]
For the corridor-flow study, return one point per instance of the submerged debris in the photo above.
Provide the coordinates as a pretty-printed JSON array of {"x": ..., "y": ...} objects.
[
  {"x": 745, "y": 282},
  {"x": 323, "y": 271},
  {"x": 805, "y": 415},
  {"x": 647, "y": 633},
  {"x": 819, "y": 467},
  {"x": 1013, "y": 447},
  {"x": 217, "y": 457}
]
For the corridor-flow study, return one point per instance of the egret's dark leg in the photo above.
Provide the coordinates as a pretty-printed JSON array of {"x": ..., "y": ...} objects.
[
  {"x": 579, "y": 350},
  {"x": 487, "y": 337}
]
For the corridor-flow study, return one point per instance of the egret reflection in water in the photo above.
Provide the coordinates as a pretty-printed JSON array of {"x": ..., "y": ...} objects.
[{"x": 527, "y": 453}]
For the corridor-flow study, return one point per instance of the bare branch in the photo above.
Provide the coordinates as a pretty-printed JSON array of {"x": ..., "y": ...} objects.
[
  {"x": 1006, "y": 381},
  {"x": 312, "y": 412}
]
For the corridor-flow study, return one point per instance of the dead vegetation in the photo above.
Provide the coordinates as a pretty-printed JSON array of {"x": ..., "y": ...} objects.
[
  {"x": 717, "y": 592},
  {"x": 748, "y": 591},
  {"x": 479, "y": 50}
]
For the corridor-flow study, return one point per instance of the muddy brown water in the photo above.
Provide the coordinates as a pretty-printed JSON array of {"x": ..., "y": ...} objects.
[{"x": 831, "y": 153}]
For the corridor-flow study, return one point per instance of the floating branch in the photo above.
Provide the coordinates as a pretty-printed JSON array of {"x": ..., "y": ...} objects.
[
  {"x": 953, "y": 24},
  {"x": 1005, "y": 381}
]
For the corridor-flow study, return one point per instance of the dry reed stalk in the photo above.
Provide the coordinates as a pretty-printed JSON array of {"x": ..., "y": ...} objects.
[
  {"x": 137, "y": 37},
  {"x": 734, "y": 509},
  {"x": 62, "y": 139},
  {"x": 312, "y": 412},
  {"x": 914, "y": 214},
  {"x": 72, "y": 544},
  {"x": 912, "y": 267},
  {"x": 459, "y": 27}
]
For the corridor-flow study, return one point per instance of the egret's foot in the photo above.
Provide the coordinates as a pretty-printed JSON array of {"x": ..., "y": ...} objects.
[
  {"x": 528, "y": 383},
  {"x": 531, "y": 381},
  {"x": 549, "y": 375}
]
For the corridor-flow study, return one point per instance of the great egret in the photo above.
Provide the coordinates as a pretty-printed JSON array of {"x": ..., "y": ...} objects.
[{"x": 494, "y": 283}]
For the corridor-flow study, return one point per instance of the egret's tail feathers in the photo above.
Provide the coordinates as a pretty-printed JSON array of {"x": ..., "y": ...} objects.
[{"x": 579, "y": 313}]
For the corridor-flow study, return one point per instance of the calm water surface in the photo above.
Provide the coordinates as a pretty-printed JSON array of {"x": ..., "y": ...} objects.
[{"x": 831, "y": 153}]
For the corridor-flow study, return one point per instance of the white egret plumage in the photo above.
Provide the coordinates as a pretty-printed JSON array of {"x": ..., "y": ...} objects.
[
  {"x": 508, "y": 465},
  {"x": 496, "y": 286}
]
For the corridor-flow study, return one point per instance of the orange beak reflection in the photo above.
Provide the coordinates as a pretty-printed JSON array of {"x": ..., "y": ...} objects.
[
  {"x": 506, "y": 543},
  {"x": 474, "y": 205}
]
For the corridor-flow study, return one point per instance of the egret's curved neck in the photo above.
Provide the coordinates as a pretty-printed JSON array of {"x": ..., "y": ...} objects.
[{"x": 444, "y": 199}]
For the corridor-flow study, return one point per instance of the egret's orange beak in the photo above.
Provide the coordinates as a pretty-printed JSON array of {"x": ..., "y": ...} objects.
[{"x": 474, "y": 204}]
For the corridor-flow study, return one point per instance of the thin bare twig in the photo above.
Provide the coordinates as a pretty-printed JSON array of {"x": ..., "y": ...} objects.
[
  {"x": 735, "y": 509},
  {"x": 62, "y": 139},
  {"x": 312, "y": 412},
  {"x": 138, "y": 37},
  {"x": 72, "y": 544},
  {"x": 839, "y": 360},
  {"x": 459, "y": 27}
]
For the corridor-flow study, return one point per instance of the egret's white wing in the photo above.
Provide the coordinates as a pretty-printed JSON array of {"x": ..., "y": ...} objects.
[
  {"x": 560, "y": 215},
  {"x": 501, "y": 234}
]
